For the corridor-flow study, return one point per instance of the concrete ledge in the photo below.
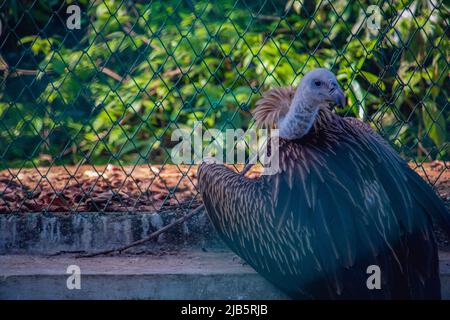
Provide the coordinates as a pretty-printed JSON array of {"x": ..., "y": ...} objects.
[
  {"x": 38, "y": 233},
  {"x": 186, "y": 275},
  {"x": 172, "y": 275},
  {"x": 181, "y": 275}
]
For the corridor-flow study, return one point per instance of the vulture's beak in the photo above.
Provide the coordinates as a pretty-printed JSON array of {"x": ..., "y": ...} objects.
[{"x": 338, "y": 97}]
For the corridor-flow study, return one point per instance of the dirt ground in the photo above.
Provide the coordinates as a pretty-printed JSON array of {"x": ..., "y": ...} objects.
[
  {"x": 100, "y": 188},
  {"x": 436, "y": 173},
  {"x": 133, "y": 188}
]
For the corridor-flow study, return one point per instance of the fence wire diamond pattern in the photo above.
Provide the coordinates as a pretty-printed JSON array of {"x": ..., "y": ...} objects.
[{"x": 86, "y": 114}]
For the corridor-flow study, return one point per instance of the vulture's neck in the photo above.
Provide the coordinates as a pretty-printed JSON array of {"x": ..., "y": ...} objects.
[{"x": 298, "y": 120}]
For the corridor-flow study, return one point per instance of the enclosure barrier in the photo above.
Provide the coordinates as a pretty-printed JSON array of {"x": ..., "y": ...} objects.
[{"x": 91, "y": 91}]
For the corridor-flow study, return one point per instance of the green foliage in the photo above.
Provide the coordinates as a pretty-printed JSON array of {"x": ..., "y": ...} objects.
[{"x": 115, "y": 90}]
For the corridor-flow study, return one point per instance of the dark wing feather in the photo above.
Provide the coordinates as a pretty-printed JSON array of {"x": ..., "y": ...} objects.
[{"x": 418, "y": 189}]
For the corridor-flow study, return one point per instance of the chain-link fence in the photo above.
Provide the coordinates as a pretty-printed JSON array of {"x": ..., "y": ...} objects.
[{"x": 91, "y": 91}]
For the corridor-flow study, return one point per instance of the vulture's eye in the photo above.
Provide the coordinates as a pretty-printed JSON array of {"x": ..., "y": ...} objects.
[{"x": 317, "y": 83}]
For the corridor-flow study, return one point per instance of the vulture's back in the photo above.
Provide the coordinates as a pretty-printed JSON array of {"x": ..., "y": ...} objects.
[{"x": 343, "y": 204}]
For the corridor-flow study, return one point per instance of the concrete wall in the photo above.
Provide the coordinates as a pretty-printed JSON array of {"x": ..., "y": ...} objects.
[
  {"x": 184, "y": 275},
  {"x": 175, "y": 274},
  {"x": 51, "y": 233}
]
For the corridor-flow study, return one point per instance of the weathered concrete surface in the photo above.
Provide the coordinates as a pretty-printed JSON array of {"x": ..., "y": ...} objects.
[
  {"x": 37, "y": 233},
  {"x": 186, "y": 275}
]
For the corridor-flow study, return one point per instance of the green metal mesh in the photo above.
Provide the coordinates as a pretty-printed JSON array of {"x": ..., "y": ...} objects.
[{"x": 112, "y": 92}]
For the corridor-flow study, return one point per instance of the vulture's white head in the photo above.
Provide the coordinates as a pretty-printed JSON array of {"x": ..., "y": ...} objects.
[
  {"x": 320, "y": 88},
  {"x": 294, "y": 111}
]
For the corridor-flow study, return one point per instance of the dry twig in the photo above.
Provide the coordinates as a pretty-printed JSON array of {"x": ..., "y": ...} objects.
[{"x": 158, "y": 232}]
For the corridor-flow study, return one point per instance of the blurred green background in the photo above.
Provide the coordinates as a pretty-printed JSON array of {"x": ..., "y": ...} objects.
[{"x": 113, "y": 91}]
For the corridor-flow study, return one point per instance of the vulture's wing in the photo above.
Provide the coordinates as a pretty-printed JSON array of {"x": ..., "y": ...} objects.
[
  {"x": 420, "y": 190},
  {"x": 361, "y": 205},
  {"x": 234, "y": 204}
]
